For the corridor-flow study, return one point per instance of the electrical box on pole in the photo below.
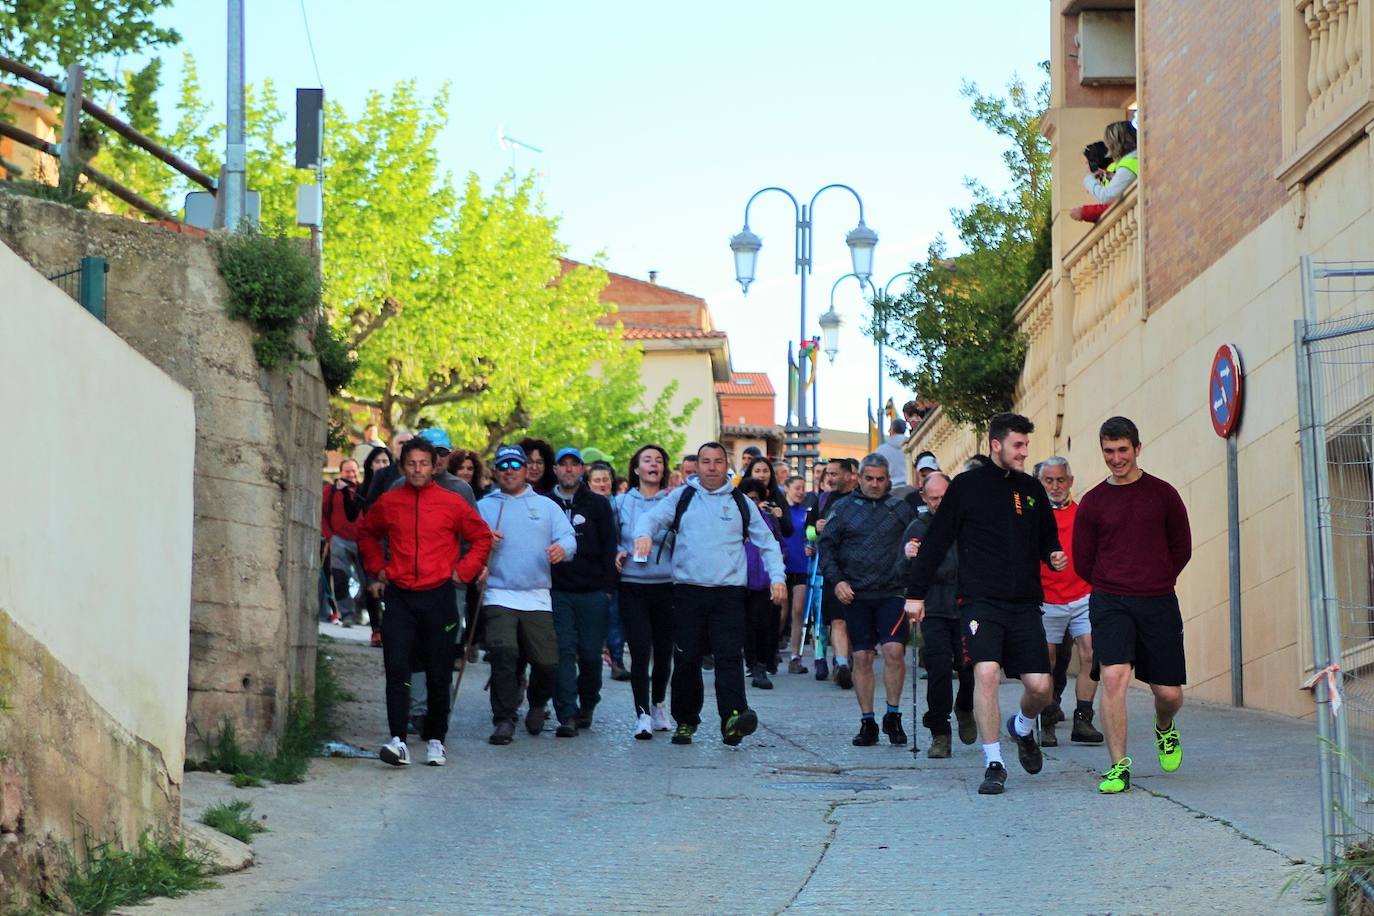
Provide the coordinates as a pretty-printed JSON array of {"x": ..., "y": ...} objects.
[{"x": 309, "y": 127}]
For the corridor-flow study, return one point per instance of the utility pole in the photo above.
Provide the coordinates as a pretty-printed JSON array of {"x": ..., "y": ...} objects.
[{"x": 235, "y": 180}]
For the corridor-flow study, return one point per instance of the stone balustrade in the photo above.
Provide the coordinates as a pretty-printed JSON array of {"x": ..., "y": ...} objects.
[
  {"x": 1035, "y": 317},
  {"x": 1104, "y": 269},
  {"x": 1336, "y": 39}
]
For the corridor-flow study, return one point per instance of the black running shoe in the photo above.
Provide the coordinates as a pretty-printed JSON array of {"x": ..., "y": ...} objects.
[
  {"x": 868, "y": 733},
  {"x": 844, "y": 678},
  {"x": 892, "y": 727},
  {"x": 1026, "y": 749},
  {"x": 994, "y": 780},
  {"x": 738, "y": 726}
]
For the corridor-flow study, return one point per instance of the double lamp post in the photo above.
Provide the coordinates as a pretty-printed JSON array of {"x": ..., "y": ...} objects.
[{"x": 802, "y": 437}]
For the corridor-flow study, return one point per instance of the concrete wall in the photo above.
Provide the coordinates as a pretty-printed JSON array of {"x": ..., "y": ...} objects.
[
  {"x": 95, "y": 570},
  {"x": 259, "y": 439},
  {"x": 691, "y": 369}
]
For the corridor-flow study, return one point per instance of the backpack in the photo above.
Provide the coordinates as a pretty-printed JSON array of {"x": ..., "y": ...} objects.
[{"x": 741, "y": 504}]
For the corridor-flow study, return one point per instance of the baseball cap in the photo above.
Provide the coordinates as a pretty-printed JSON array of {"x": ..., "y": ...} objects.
[
  {"x": 928, "y": 463},
  {"x": 509, "y": 456},
  {"x": 590, "y": 455},
  {"x": 568, "y": 452},
  {"x": 436, "y": 437}
]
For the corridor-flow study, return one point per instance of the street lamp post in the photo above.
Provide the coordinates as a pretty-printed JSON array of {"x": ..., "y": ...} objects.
[{"x": 745, "y": 245}]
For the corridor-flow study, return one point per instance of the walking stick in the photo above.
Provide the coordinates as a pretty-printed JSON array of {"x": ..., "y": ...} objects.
[{"x": 471, "y": 635}]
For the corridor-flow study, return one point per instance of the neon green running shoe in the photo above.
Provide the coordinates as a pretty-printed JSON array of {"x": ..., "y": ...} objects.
[
  {"x": 1117, "y": 779},
  {"x": 1170, "y": 751}
]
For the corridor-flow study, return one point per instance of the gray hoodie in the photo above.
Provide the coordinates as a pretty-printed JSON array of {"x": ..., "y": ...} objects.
[
  {"x": 629, "y": 508},
  {"x": 520, "y": 575},
  {"x": 709, "y": 550}
]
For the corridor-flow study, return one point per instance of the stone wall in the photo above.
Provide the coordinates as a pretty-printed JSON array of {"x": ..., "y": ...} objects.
[{"x": 259, "y": 439}]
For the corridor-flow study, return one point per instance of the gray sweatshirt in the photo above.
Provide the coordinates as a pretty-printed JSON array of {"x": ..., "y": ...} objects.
[
  {"x": 629, "y": 507},
  {"x": 520, "y": 575},
  {"x": 708, "y": 549}
]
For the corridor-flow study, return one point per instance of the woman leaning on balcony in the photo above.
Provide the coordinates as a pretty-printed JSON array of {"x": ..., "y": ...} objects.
[{"x": 1107, "y": 185}]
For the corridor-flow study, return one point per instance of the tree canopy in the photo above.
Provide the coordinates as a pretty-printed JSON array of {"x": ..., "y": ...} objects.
[
  {"x": 955, "y": 320},
  {"x": 49, "y": 35}
]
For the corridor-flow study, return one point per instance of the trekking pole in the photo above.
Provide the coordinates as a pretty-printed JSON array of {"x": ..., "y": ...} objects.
[{"x": 471, "y": 635}]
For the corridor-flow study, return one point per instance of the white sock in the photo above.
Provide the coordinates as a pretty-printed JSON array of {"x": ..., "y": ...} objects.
[
  {"x": 1023, "y": 725},
  {"x": 992, "y": 753},
  {"x": 842, "y": 659}
]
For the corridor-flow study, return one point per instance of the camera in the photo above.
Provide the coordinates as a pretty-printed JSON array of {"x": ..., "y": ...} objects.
[{"x": 1096, "y": 154}]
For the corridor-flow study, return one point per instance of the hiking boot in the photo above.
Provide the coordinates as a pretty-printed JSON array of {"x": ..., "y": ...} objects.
[
  {"x": 739, "y": 726},
  {"x": 1047, "y": 736},
  {"x": 534, "y": 719},
  {"x": 618, "y": 672},
  {"x": 994, "y": 780},
  {"x": 939, "y": 747},
  {"x": 434, "y": 753},
  {"x": 708, "y": 663},
  {"x": 868, "y": 733},
  {"x": 844, "y": 678},
  {"x": 1117, "y": 779},
  {"x": 968, "y": 726},
  {"x": 395, "y": 753},
  {"x": 1026, "y": 749},
  {"x": 683, "y": 734},
  {"x": 795, "y": 666},
  {"x": 662, "y": 721},
  {"x": 822, "y": 670},
  {"x": 1083, "y": 731},
  {"x": 892, "y": 727},
  {"x": 1055, "y": 711},
  {"x": 644, "y": 728},
  {"x": 503, "y": 733},
  {"x": 760, "y": 679},
  {"x": 583, "y": 719},
  {"x": 566, "y": 730},
  {"x": 1169, "y": 748}
]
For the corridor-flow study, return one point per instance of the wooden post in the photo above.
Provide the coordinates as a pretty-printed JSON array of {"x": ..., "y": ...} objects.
[{"x": 71, "y": 125}]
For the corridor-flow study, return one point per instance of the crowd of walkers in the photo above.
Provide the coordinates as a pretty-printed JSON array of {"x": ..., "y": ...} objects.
[{"x": 552, "y": 564}]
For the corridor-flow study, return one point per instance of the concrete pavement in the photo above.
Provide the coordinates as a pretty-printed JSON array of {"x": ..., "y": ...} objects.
[{"x": 794, "y": 819}]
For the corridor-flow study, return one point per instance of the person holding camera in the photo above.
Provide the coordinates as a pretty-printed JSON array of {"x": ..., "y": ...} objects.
[
  {"x": 339, "y": 528},
  {"x": 1113, "y": 164}
]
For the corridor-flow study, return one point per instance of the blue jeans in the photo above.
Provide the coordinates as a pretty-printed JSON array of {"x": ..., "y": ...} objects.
[
  {"x": 615, "y": 636},
  {"x": 580, "y": 620}
]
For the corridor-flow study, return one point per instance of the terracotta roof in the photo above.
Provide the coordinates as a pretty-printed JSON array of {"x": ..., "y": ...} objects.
[
  {"x": 628, "y": 291},
  {"x": 746, "y": 384},
  {"x": 661, "y": 333}
]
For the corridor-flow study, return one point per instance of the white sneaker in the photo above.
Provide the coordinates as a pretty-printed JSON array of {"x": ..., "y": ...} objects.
[
  {"x": 644, "y": 728},
  {"x": 395, "y": 753},
  {"x": 435, "y": 756},
  {"x": 662, "y": 721}
]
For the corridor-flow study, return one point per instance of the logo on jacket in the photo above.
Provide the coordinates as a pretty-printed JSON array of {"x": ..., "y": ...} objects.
[
  {"x": 1016, "y": 501},
  {"x": 973, "y": 628}
]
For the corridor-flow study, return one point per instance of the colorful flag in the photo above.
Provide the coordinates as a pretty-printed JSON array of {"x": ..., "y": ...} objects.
[
  {"x": 810, "y": 349},
  {"x": 890, "y": 410}
]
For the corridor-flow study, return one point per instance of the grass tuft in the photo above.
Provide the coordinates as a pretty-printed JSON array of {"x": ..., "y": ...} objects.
[
  {"x": 234, "y": 818},
  {"x": 112, "y": 877}
]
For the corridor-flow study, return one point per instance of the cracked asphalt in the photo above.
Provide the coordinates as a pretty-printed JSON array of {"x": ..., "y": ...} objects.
[{"x": 795, "y": 819}]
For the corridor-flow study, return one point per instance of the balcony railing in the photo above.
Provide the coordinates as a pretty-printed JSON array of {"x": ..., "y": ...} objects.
[
  {"x": 1104, "y": 269},
  {"x": 1335, "y": 48},
  {"x": 1035, "y": 318}
]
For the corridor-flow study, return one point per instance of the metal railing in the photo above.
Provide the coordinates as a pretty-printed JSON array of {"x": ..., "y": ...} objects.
[{"x": 86, "y": 284}]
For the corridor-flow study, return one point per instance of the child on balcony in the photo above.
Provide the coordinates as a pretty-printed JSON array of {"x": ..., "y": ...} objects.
[{"x": 1107, "y": 184}]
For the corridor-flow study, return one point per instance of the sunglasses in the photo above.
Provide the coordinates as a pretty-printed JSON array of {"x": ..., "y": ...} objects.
[{"x": 508, "y": 465}]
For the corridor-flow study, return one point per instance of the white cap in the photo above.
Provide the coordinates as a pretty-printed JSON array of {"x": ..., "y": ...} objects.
[{"x": 928, "y": 463}]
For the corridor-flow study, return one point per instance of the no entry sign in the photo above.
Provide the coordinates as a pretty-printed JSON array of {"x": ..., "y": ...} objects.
[{"x": 1225, "y": 391}]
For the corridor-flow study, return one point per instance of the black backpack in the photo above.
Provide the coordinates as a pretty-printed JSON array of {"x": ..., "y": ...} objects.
[{"x": 681, "y": 509}]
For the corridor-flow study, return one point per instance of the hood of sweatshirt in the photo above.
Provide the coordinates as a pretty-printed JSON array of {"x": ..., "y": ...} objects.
[{"x": 629, "y": 507}]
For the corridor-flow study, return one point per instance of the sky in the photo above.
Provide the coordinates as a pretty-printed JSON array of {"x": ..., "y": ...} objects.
[{"x": 656, "y": 124}]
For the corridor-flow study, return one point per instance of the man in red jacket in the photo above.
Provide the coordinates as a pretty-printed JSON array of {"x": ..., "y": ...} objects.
[
  {"x": 423, "y": 525},
  {"x": 1130, "y": 541}
]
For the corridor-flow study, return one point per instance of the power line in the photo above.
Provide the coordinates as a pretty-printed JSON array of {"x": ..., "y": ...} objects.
[{"x": 311, "y": 43}]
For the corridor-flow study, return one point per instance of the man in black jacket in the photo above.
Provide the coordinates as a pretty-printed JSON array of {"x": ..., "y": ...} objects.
[
  {"x": 861, "y": 559},
  {"x": 581, "y": 590},
  {"x": 1004, "y": 526},
  {"x": 941, "y": 653}
]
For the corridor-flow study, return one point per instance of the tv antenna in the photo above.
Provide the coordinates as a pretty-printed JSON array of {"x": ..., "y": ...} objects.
[{"x": 510, "y": 144}]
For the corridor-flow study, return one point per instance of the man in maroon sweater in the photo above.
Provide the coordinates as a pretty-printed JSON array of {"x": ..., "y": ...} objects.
[{"x": 1130, "y": 541}]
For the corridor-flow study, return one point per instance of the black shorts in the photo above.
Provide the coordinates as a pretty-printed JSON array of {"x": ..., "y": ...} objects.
[
  {"x": 831, "y": 609},
  {"x": 794, "y": 580},
  {"x": 870, "y": 622},
  {"x": 1146, "y": 632},
  {"x": 1009, "y": 634}
]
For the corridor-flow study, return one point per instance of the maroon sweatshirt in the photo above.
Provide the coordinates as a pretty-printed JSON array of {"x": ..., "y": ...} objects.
[{"x": 1132, "y": 539}]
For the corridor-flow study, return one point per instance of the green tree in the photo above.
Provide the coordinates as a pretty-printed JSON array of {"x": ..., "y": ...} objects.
[
  {"x": 955, "y": 320},
  {"x": 49, "y": 35}
]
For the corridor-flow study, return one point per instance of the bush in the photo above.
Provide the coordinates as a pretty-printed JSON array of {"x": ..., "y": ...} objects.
[
  {"x": 273, "y": 286},
  {"x": 337, "y": 362}
]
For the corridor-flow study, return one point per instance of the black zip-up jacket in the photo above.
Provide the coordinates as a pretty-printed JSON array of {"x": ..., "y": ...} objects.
[
  {"x": 942, "y": 595},
  {"x": 1004, "y": 527},
  {"x": 862, "y": 545},
  {"x": 592, "y": 568}
]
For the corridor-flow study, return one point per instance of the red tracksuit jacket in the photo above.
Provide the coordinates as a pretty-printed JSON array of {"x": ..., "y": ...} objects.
[{"x": 423, "y": 528}]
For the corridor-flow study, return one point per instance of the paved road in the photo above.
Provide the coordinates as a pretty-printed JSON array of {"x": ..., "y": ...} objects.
[{"x": 796, "y": 819}]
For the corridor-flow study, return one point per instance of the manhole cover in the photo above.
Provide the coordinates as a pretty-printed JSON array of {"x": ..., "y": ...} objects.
[{"x": 827, "y": 786}]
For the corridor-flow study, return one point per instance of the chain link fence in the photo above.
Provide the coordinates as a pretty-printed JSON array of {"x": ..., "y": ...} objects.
[{"x": 1335, "y": 369}]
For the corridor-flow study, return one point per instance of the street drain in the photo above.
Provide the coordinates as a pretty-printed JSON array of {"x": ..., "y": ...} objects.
[{"x": 827, "y": 786}]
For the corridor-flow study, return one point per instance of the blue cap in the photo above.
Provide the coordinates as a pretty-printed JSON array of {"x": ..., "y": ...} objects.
[
  {"x": 510, "y": 454},
  {"x": 436, "y": 437},
  {"x": 568, "y": 452}
]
